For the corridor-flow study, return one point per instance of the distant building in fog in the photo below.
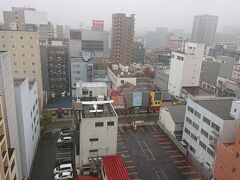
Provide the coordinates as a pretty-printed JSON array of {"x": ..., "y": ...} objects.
[
  {"x": 139, "y": 53},
  {"x": 204, "y": 29}
]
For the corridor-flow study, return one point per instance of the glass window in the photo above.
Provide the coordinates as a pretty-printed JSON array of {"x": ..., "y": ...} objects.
[
  {"x": 196, "y": 126},
  {"x": 110, "y": 123},
  {"x": 197, "y": 114},
  {"x": 192, "y": 149},
  {"x": 190, "y": 109},
  {"x": 210, "y": 152},
  {"x": 194, "y": 137},
  {"x": 216, "y": 127},
  {"x": 206, "y": 120},
  {"x": 93, "y": 139},
  {"x": 188, "y": 120},
  {"x": 187, "y": 131},
  {"x": 202, "y": 145},
  {"x": 98, "y": 124},
  {"x": 205, "y": 133}
]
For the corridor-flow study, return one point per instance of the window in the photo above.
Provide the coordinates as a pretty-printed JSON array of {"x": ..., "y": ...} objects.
[
  {"x": 98, "y": 124},
  {"x": 187, "y": 131},
  {"x": 33, "y": 72},
  {"x": 14, "y": 55},
  {"x": 234, "y": 171},
  {"x": 216, "y": 127},
  {"x": 31, "y": 46},
  {"x": 93, "y": 139},
  {"x": 15, "y": 71},
  {"x": 24, "y": 63},
  {"x": 15, "y": 63},
  {"x": 23, "y": 55},
  {"x": 32, "y": 55},
  {"x": 13, "y": 46},
  {"x": 197, "y": 114},
  {"x": 194, "y": 137},
  {"x": 21, "y": 37},
  {"x": 31, "y": 37},
  {"x": 205, "y": 133},
  {"x": 190, "y": 109},
  {"x": 180, "y": 58},
  {"x": 206, "y": 120},
  {"x": 3, "y": 45},
  {"x": 192, "y": 149},
  {"x": 33, "y": 63},
  {"x": 93, "y": 150},
  {"x": 110, "y": 123},
  {"x": 24, "y": 71},
  {"x": 202, "y": 145},
  {"x": 22, "y": 46},
  {"x": 188, "y": 120},
  {"x": 122, "y": 81},
  {"x": 2, "y": 37},
  {"x": 12, "y": 37},
  {"x": 196, "y": 126},
  {"x": 210, "y": 152}
]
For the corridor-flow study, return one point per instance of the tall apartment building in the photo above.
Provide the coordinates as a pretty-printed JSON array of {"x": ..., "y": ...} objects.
[
  {"x": 23, "y": 47},
  {"x": 58, "y": 67},
  {"x": 9, "y": 107},
  {"x": 204, "y": 29},
  {"x": 122, "y": 38},
  {"x": 28, "y": 120},
  {"x": 208, "y": 122},
  {"x": 156, "y": 40},
  {"x": 185, "y": 68},
  {"x": 8, "y": 168},
  {"x": 227, "y": 164},
  {"x": 97, "y": 124},
  {"x": 59, "y": 31}
]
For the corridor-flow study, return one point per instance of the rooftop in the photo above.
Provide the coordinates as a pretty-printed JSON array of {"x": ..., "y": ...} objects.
[
  {"x": 177, "y": 112},
  {"x": 88, "y": 178},
  {"x": 115, "y": 168},
  {"x": 122, "y": 74},
  {"x": 219, "y": 106},
  {"x": 93, "y": 84},
  {"x": 196, "y": 91},
  {"x": 60, "y": 103}
]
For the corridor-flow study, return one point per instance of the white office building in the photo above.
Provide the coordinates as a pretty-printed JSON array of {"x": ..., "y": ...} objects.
[
  {"x": 207, "y": 123},
  {"x": 98, "y": 123},
  {"x": 28, "y": 120},
  {"x": 185, "y": 68}
]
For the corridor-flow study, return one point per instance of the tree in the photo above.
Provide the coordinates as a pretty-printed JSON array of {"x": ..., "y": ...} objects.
[{"x": 46, "y": 118}]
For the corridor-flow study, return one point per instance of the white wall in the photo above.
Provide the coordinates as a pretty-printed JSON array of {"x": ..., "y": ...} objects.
[
  {"x": 28, "y": 121},
  {"x": 166, "y": 119},
  {"x": 107, "y": 137}
]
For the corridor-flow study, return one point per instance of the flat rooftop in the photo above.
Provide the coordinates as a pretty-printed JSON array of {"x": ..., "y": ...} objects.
[
  {"x": 220, "y": 107},
  {"x": 197, "y": 91},
  {"x": 122, "y": 74},
  {"x": 94, "y": 84},
  {"x": 177, "y": 112},
  {"x": 108, "y": 111}
]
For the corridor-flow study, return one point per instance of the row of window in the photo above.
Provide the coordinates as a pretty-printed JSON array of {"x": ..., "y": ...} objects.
[
  {"x": 13, "y": 37},
  {"x": 205, "y": 119},
  {"x": 196, "y": 126},
  {"x": 24, "y": 63},
  {"x": 24, "y": 72},
  {"x": 100, "y": 124},
  {"x": 14, "y": 46}
]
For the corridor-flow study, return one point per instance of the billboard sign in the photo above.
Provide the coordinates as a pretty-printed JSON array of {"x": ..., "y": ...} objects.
[
  {"x": 97, "y": 24},
  {"x": 137, "y": 99}
]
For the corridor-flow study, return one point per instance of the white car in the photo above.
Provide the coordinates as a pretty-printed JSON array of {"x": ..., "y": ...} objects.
[
  {"x": 63, "y": 168},
  {"x": 67, "y": 138},
  {"x": 64, "y": 175}
]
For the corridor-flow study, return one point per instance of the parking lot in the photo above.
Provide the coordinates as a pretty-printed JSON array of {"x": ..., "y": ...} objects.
[{"x": 150, "y": 154}]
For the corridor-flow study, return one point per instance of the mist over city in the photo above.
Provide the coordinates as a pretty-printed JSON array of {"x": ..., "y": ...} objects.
[{"x": 119, "y": 90}]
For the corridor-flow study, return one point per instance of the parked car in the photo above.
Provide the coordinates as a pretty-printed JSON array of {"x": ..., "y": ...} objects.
[
  {"x": 65, "y": 133},
  {"x": 63, "y": 168},
  {"x": 64, "y": 139},
  {"x": 64, "y": 160},
  {"x": 67, "y": 175},
  {"x": 66, "y": 129}
]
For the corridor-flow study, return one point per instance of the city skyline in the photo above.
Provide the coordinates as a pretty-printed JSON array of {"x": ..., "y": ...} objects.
[{"x": 155, "y": 18}]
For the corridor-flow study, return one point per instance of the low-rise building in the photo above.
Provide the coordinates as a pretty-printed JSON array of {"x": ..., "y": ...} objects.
[
  {"x": 97, "y": 122},
  {"x": 208, "y": 122},
  {"x": 190, "y": 92},
  {"x": 172, "y": 118},
  {"x": 27, "y": 107},
  {"x": 120, "y": 74}
]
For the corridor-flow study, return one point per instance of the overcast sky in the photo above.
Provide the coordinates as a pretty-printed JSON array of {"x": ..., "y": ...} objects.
[{"x": 149, "y": 13}]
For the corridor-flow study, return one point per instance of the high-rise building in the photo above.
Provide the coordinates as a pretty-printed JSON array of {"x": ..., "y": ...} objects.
[
  {"x": 185, "y": 68},
  {"x": 156, "y": 40},
  {"x": 28, "y": 121},
  {"x": 59, "y": 31},
  {"x": 9, "y": 107},
  {"x": 139, "y": 53},
  {"x": 8, "y": 168},
  {"x": 122, "y": 38},
  {"x": 23, "y": 47},
  {"x": 204, "y": 29},
  {"x": 58, "y": 67}
]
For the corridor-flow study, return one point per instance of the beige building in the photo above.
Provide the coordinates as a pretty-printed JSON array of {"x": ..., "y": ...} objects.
[
  {"x": 122, "y": 38},
  {"x": 24, "y": 50},
  {"x": 8, "y": 168}
]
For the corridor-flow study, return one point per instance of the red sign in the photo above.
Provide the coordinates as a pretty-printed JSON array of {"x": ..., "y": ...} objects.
[{"x": 97, "y": 24}]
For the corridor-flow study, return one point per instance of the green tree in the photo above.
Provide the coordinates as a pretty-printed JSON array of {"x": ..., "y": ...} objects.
[{"x": 46, "y": 118}]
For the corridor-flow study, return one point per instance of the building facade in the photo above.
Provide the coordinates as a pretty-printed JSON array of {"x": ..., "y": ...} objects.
[
  {"x": 227, "y": 164},
  {"x": 59, "y": 31},
  {"x": 204, "y": 29},
  {"x": 139, "y": 53},
  {"x": 9, "y": 107},
  {"x": 58, "y": 67},
  {"x": 8, "y": 167},
  {"x": 207, "y": 123},
  {"x": 28, "y": 121},
  {"x": 161, "y": 77},
  {"x": 122, "y": 38},
  {"x": 185, "y": 68},
  {"x": 24, "y": 50}
]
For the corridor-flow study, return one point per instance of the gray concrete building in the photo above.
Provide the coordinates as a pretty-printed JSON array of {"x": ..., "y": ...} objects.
[
  {"x": 156, "y": 40},
  {"x": 161, "y": 77},
  {"x": 139, "y": 53},
  {"x": 204, "y": 29},
  {"x": 59, "y": 31}
]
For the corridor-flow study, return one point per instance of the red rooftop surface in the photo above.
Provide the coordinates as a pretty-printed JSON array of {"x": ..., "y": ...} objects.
[
  {"x": 88, "y": 178},
  {"x": 118, "y": 102},
  {"x": 115, "y": 168}
]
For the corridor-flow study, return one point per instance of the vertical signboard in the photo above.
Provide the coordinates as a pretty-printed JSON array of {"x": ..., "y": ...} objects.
[
  {"x": 137, "y": 99},
  {"x": 98, "y": 24}
]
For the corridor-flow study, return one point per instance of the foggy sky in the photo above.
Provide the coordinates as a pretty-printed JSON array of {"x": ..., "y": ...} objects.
[{"x": 149, "y": 13}]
